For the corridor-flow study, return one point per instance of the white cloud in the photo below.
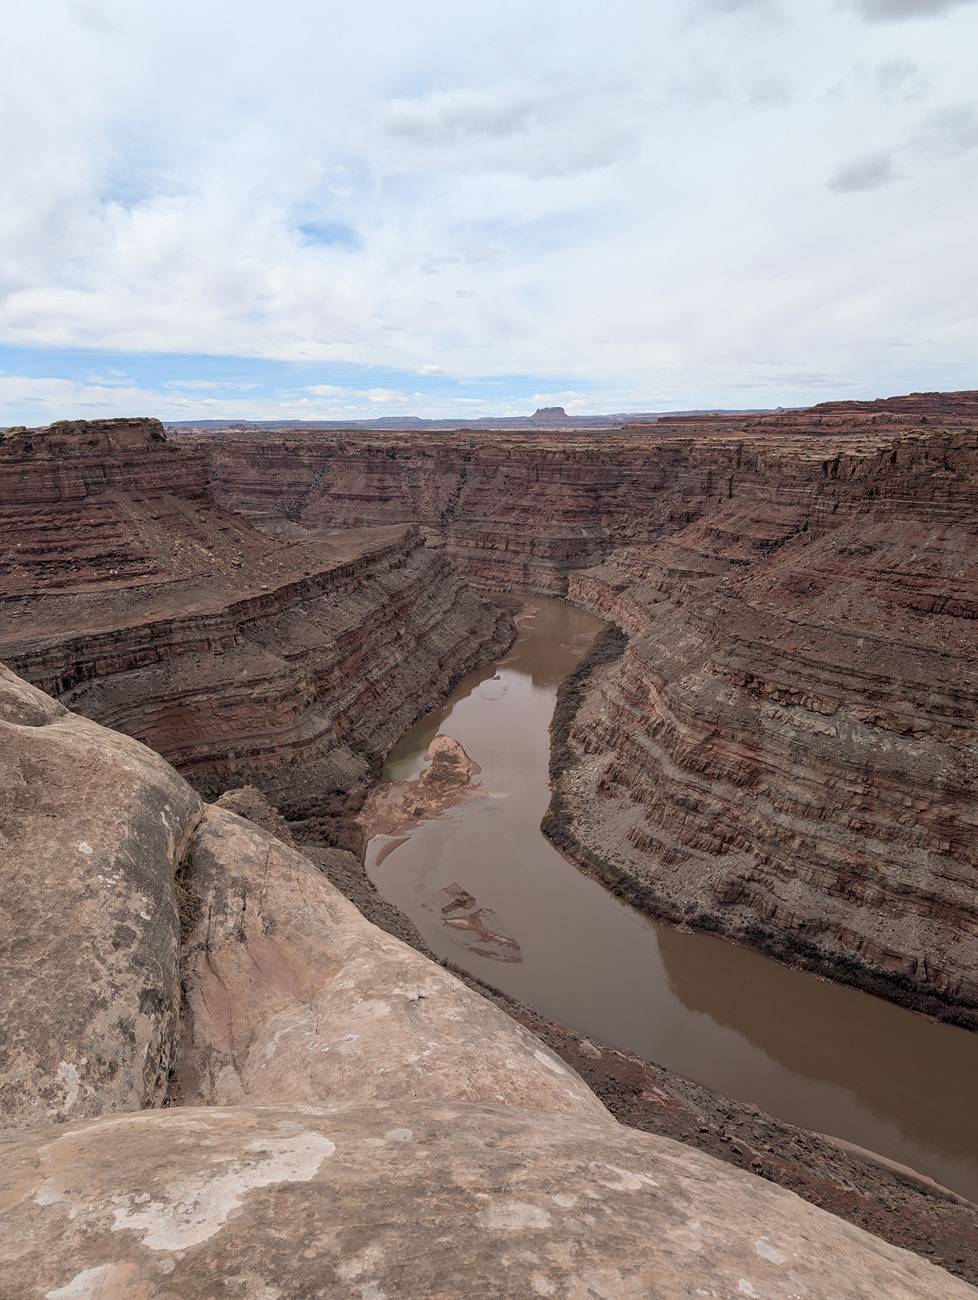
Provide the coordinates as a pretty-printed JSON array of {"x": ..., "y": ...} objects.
[
  {"x": 387, "y": 397},
  {"x": 610, "y": 193},
  {"x": 756, "y": 8},
  {"x": 866, "y": 173},
  {"x": 884, "y": 11},
  {"x": 899, "y": 78},
  {"x": 950, "y": 130}
]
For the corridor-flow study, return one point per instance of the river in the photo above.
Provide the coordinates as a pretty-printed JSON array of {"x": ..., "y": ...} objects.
[{"x": 807, "y": 1050}]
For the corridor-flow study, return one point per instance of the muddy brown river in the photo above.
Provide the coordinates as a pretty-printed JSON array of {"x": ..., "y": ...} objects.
[{"x": 491, "y": 894}]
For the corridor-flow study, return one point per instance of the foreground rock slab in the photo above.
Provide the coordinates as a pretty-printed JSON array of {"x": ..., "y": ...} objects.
[
  {"x": 398, "y": 1199},
  {"x": 370, "y": 1132},
  {"x": 92, "y": 825},
  {"x": 292, "y": 996}
]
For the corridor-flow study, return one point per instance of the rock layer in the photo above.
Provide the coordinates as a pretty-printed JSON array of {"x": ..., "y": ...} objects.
[
  {"x": 289, "y": 663},
  {"x": 786, "y": 753}
]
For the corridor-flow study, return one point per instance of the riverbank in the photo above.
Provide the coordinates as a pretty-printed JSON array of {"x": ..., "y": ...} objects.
[{"x": 565, "y": 816}]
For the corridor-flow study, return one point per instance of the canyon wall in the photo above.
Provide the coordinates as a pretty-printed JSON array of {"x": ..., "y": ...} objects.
[
  {"x": 342, "y": 1116},
  {"x": 786, "y": 751},
  {"x": 527, "y": 508},
  {"x": 290, "y": 663}
]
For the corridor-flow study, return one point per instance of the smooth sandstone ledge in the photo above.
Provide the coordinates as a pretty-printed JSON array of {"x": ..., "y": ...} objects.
[
  {"x": 369, "y": 1133},
  {"x": 413, "y": 1199},
  {"x": 292, "y": 996},
  {"x": 92, "y": 827},
  {"x": 288, "y": 993}
]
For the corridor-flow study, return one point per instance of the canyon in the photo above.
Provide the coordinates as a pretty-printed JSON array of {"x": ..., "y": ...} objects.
[
  {"x": 785, "y": 751},
  {"x": 492, "y": 896},
  {"x": 217, "y": 1078},
  {"x": 242, "y": 657},
  {"x": 777, "y": 745}
]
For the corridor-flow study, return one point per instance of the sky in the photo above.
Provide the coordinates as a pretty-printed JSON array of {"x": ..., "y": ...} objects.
[{"x": 316, "y": 210}]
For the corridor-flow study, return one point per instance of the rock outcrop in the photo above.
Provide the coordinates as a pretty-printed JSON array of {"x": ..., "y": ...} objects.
[
  {"x": 120, "y": 887},
  {"x": 413, "y": 1199},
  {"x": 291, "y": 996},
  {"x": 92, "y": 829},
  {"x": 361, "y": 1143}
]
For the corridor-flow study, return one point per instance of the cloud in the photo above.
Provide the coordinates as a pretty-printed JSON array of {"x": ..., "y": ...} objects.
[
  {"x": 899, "y": 78},
  {"x": 452, "y": 115},
  {"x": 769, "y": 91},
  {"x": 634, "y": 206},
  {"x": 884, "y": 11},
  {"x": 950, "y": 130},
  {"x": 556, "y": 126},
  {"x": 721, "y": 8},
  {"x": 866, "y": 173},
  {"x": 387, "y": 397}
]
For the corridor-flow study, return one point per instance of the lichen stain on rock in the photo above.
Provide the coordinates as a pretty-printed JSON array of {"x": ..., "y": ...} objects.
[
  {"x": 102, "y": 1282},
  {"x": 768, "y": 1252},
  {"x": 628, "y": 1181},
  {"x": 190, "y": 1210}
]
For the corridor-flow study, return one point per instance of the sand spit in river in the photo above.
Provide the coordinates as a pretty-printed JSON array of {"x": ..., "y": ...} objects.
[{"x": 401, "y": 806}]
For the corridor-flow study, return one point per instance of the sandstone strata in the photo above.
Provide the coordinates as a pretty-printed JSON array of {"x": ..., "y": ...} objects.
[
  {"x": 332, "y": 1163},
  {"x": 786, "y": 752},
  {"x": 286, "y": 662}
]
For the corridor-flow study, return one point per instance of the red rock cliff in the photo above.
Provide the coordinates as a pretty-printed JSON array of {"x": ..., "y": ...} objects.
[
  {"x": 287, "y": 662},
  {"x": 785, "y": 753}
]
